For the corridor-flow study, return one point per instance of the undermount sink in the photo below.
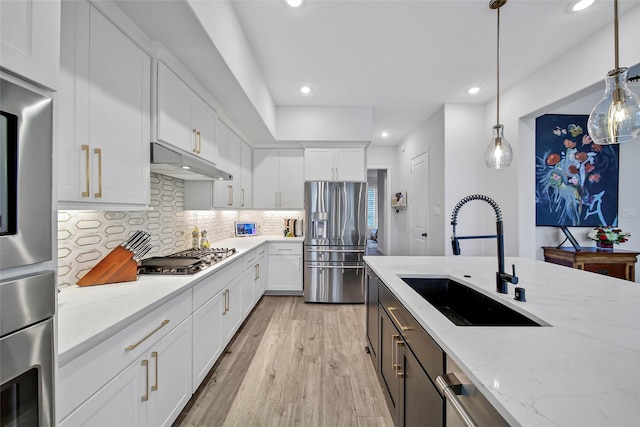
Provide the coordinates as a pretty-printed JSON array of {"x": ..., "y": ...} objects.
[{"x": 465, "y": 306}]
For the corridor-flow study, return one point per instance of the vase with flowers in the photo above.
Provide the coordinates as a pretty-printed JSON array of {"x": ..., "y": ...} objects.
[{"x": 606, "y": 237}]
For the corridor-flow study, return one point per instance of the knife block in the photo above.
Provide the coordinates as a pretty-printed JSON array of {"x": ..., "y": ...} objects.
[{"x": 117, "y": 266}]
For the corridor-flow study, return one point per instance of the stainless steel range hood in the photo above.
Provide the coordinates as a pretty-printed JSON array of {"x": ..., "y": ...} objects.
[{"x": 171, "y": 162}]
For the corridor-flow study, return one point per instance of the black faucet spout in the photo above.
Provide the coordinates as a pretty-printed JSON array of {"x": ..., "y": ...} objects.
[{"x": 502, "y": 277}]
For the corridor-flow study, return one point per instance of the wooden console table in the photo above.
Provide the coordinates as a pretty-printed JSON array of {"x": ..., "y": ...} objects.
[{"x": 619, "y": 263}]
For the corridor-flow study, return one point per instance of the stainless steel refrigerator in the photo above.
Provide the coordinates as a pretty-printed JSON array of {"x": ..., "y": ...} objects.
[{"x": 335, "y": 241}]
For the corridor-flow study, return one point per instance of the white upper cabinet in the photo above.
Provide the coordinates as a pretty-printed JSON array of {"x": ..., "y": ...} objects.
[
  {"x": 184, "y": 120},
  {"x": 246, "y": 175},
  {"x": 104, "y": 113},
  {"x": 335, "y": 164},
  {"x": 30, "y": 39},
  {"x": 278, "y": 178}
]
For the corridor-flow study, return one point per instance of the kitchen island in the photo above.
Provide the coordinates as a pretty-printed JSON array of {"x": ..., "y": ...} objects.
[{"x": 581, "y": 368}]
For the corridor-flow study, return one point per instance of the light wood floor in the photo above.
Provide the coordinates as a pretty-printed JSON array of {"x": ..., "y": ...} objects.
[{"x": 293, "y": 364}]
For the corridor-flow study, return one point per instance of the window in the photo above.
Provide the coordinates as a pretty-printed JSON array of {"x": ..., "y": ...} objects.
[{"x": 372, "y": 204}]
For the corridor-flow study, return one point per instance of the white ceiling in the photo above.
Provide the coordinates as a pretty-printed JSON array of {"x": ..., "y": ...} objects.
[{"x": 404, "y": 59}]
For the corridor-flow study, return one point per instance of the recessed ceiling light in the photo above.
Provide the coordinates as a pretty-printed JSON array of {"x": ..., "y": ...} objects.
[
  {"x": 473, "y": 90},
  {"x": 294, "y": 3},
  {"x": 305, "y": 89},
  {"x": 384, "y": 134},
  {"x": 185, "y": 167},
  {"x": 581, "y": 5}
]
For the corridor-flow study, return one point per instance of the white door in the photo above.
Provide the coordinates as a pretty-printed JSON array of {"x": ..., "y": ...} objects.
[{"x": 419, "y": 206}]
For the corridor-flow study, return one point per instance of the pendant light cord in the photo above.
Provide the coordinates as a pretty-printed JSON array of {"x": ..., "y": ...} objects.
[
  {"x": 615, "y": 31},
  {"x": 498, "y": 73}
]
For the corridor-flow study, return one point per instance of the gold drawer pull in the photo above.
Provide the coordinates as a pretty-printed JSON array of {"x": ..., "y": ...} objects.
[
  {"x": 402, "y": 327},
  {"x": 132, "y": 346}
]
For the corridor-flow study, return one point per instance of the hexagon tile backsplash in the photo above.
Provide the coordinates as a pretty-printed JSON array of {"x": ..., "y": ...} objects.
[{"x": 85, "y": 237}]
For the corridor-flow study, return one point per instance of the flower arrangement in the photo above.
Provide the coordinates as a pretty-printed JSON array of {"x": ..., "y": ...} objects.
[{"x": 608, "y": 235}]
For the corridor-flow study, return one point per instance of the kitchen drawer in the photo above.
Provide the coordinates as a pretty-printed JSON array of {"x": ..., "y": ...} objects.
[
  {"x": 249, "y": 259},
  {"x": 285, "y": 248},
  {"x": 85, "y": 375},
  {"x": 215, "y": 282},
  {"x": 428, "y": 353}
]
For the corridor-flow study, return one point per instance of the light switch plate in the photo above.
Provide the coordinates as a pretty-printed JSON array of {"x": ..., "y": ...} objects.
[
  {"x": 436, "y": 212},
  {"x": 629, "y": 213}
]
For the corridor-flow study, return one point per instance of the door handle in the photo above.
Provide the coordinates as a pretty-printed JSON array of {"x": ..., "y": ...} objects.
[
  {"x": 85, "y": 148},
  {"x": 399, "y": 373},
  {"x": 145, "y": 363},
  {"x": 154, "y": 354},
  {"x": 195, "y": 141},
  {"x": 98, "y": 151},
  {"x": 424, "y": 234}
]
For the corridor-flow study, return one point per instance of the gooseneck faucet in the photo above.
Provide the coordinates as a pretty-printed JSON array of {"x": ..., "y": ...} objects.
[{"x": 502, "y": 278}]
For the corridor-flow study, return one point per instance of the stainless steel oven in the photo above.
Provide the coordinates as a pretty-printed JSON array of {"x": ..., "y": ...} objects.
[
  {"x": 25, "y": 176},
  {"x": 26, "y": 351}
]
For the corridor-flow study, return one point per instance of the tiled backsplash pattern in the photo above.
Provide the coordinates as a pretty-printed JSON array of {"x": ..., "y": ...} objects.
[{"x": 85, "y": 237}]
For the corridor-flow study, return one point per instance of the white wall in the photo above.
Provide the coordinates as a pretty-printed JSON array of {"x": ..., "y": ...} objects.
[
  {"x": 383, "y": 159},
  {"x": 558, "y": 87},
  {"x": 324, "y": 123},
  {"x": 428, "y": 137},
  {"x": 464, "y": 174}
]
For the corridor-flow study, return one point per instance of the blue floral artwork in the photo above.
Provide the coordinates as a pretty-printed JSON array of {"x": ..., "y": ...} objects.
[{"x": 576, "y": 179}]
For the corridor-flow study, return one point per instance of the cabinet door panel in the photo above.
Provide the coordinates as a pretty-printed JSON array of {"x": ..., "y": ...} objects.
[
  {"x": 387, "y": 355},
  {"x": 205, "y": 123},
  {"x": 233, "y": 317},
  {"x": 247, "y": 279},
  {"x": 318, "y": 164},
  {"x": 170, "y": 376},
  {"x": 174, "y": 110},
  {"x": 421, "y": 405},
  {"x": 285, "y": 273},
  {"x": 207, "y": 337},
  {"x": 265, "y": 175},
  {"x": 29, "y": 39},
  {"x": 119, "y": 114},
  {"x": 119, "y": 403},
  {"x": 291, "y": 178},
  {"x": 350, "y": 164},
  {"x": 246, "y": 176}
]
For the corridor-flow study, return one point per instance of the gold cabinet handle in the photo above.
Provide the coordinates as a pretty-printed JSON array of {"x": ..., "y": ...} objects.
[
  {"x": 400, "y": 325},
  {"x": 145, "y": 363},
  {"x": 394, "y": 364},
  {"x": 230, "y": 195},
  {"x": 98, "y": 151},
  {"x": 132, "y": 346},
  {"x": 195, "y": 141},
  {"x": 257, "y": 271},
  {"x": 242, "y": 198},
  {"x": 199, "y": 146},
  {"x": 154, "y": 354},
  {"x": 85, "y": 148},
  {"x": 226, "y": 301},
  {"x": 399, "y": 373}
]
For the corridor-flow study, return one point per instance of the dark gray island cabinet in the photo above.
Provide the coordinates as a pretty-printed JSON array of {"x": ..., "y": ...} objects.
[{"x": 408, "y": 363}]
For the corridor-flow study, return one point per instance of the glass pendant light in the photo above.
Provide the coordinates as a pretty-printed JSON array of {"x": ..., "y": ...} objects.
[
  {"x": 499, "y": 153},
  {"x": 616, "y": 117}
]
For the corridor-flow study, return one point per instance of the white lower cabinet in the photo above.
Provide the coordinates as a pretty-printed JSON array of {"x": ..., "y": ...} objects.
[
  {"x": 285, "y": 268},
  {"x": 232, "y": 314},
  {"x": 207, "y": 337},
  {"x": 151, "y": 391}
]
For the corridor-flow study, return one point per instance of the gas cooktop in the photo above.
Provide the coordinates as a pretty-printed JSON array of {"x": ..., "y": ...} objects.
[{"x": 189, "y": 261}]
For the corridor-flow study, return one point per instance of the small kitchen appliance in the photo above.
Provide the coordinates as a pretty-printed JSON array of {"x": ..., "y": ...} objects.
[{"x": 244, "y": 229}]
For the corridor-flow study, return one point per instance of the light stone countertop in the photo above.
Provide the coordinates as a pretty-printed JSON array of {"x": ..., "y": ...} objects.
[
  {"x": 582, "y": 370},
  {"x": 88, "y": 315}
]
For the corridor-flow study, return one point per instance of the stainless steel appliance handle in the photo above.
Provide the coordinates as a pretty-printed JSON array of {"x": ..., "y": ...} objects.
[
  {"x": 451, "y": 396},
  {"x": 335, "y": 267}
]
